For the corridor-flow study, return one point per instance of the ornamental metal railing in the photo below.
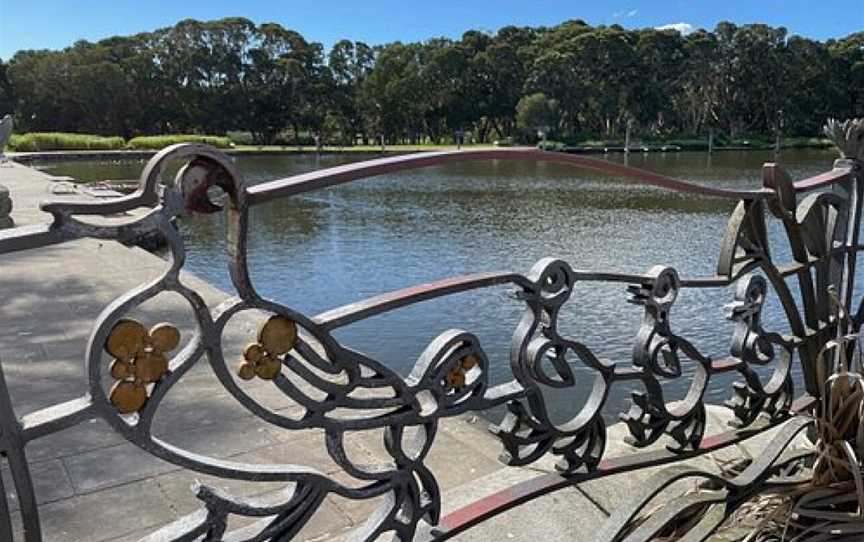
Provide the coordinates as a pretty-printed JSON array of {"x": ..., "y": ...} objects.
[{"x": 821, "y": 218}]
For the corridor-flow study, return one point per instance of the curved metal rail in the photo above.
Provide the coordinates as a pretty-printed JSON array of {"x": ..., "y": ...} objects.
[
  {"x": 333, "y": 176},
  {"x": 299, "y": 354}
]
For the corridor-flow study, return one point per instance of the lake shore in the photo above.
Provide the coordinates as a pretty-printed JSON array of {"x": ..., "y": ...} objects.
[
  {"x": 390, "y": 150},
  {"x": 130, "y": 154}
]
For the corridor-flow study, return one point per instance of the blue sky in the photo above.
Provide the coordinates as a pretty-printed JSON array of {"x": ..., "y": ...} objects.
[{"x": 53, "y": 24}]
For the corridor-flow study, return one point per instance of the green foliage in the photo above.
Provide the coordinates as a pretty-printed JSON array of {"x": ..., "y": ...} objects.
[
  {"x": 807, "y": 142},
  {"x": 537, "y": 112},
  {"x": 551, "y": 146},
  {"x": 162, "y": 141},
  {"x": 287, "y": 137},
  {"x": 751, "y": 142},
  {"x": 599, "y": 143},
  {"x": 60, "y": 141},
  {"x": 231, "y": 75},
  {"x": 239, "y": 137},
  {"x": 7, "y": 99},
  {"x": 690, "y": 144}
]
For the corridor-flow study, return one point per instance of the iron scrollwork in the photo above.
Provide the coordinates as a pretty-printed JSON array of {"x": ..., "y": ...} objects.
[
  {"x": 658, "y": 353},
  {"x": 539, "y": 356},
  {"x": 752, "y": 345},
  {"x": 300, "y": 357}
]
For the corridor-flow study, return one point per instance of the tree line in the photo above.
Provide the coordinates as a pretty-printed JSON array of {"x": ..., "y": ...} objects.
[{"x": 576, "y": 80}]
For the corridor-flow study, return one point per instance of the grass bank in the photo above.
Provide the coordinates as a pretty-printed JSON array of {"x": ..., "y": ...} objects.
[
  {"x": 59, "y": 141},
  {"x": 699, "y": 144},
  {"x": 62, "y": 141},
  {"x": 162, "y": 141},
  {"x": 65, "y": 141},
  {"x": 354, "y": 148}
]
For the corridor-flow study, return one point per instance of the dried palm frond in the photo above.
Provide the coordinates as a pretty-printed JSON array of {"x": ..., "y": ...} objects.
[
  {"x": 830, "y": 504},
  {"x": 832, "y": 507},
  {"x": 840, "y": 443}
]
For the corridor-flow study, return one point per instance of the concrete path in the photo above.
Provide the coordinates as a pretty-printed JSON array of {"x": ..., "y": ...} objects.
[{"x": 50, "y": 299}]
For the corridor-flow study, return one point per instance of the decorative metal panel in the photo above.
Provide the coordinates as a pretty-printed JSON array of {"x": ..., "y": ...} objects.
[{"x": 821, "y": 217}]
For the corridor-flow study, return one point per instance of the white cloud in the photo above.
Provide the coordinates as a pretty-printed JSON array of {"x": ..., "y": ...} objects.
[
  {"x": 683, "y": 28},
  {"x": 627, "y": 14}
]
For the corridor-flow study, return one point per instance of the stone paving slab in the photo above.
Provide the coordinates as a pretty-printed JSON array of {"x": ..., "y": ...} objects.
[
  {"x": 27, "y": 187},
  {"x": 50, "y": 299}
]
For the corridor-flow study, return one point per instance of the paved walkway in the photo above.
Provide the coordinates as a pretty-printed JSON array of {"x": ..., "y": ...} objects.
[{"x": 50, "y": 298}]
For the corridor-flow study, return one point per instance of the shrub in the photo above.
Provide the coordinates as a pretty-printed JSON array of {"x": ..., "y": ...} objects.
[
  {"x": 287, "y": 138},
  {"x": 551, "y": 146},
  {"x": 162, "y": 141},
  {"x": 756, "y": 141},
  {"x": 690, "y": 144},
  {"x": 61, "y": 141},
  {"x": 807, "y": 143},
  {"x": 241, "y": 138},
  {"x": 601, "y": 143}
]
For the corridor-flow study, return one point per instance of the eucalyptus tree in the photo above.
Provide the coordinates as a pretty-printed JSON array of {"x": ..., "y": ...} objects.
[
  {"x": 283, "y": 73},
  {"x": 231, "y": 74},
  {"x": 42, "y": 91},
  {"x": 812, "y": 91},
  {"x": 660, "y": 58},
  {"x": 497, "y": 73},
  {"x": 762, "y": 71},
  {"x": 555, "y": 69},
  {"x": 393, "y": 95},
  {"x": 699, "y": 94},
  {"x": 350, "y": 63},
  {"x": 536, "y": 113},
  {"x": 7, "y": 100},
  {"x": 848, "y": 72}
]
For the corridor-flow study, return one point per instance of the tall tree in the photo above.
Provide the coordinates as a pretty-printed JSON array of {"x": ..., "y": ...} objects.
[
  {"x": 7, "y": 100},
  {"x": 231, "y": 74},
  {"x": 350, "y": 64}
]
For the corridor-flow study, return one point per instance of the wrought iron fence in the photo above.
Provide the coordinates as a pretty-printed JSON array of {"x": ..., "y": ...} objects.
[{"x": 298, "y": 353}]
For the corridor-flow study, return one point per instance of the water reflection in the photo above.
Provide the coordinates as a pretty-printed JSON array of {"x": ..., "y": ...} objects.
[{"x": 346, "y": 243}]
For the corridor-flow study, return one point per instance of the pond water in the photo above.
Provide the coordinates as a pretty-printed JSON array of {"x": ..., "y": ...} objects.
[{"x": 350, "y": 242}]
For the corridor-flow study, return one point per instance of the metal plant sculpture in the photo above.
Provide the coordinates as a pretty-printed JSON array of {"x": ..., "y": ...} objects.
[
  {"x": 299, "y": 356},
  {"x": 847, "y": 136}
]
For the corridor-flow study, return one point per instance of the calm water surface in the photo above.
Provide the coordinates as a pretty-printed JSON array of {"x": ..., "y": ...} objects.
[{"x": 347, "y": 243}]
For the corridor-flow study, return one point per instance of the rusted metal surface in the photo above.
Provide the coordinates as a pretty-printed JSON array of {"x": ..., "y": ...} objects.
[{"x": 299, "y": 355}]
